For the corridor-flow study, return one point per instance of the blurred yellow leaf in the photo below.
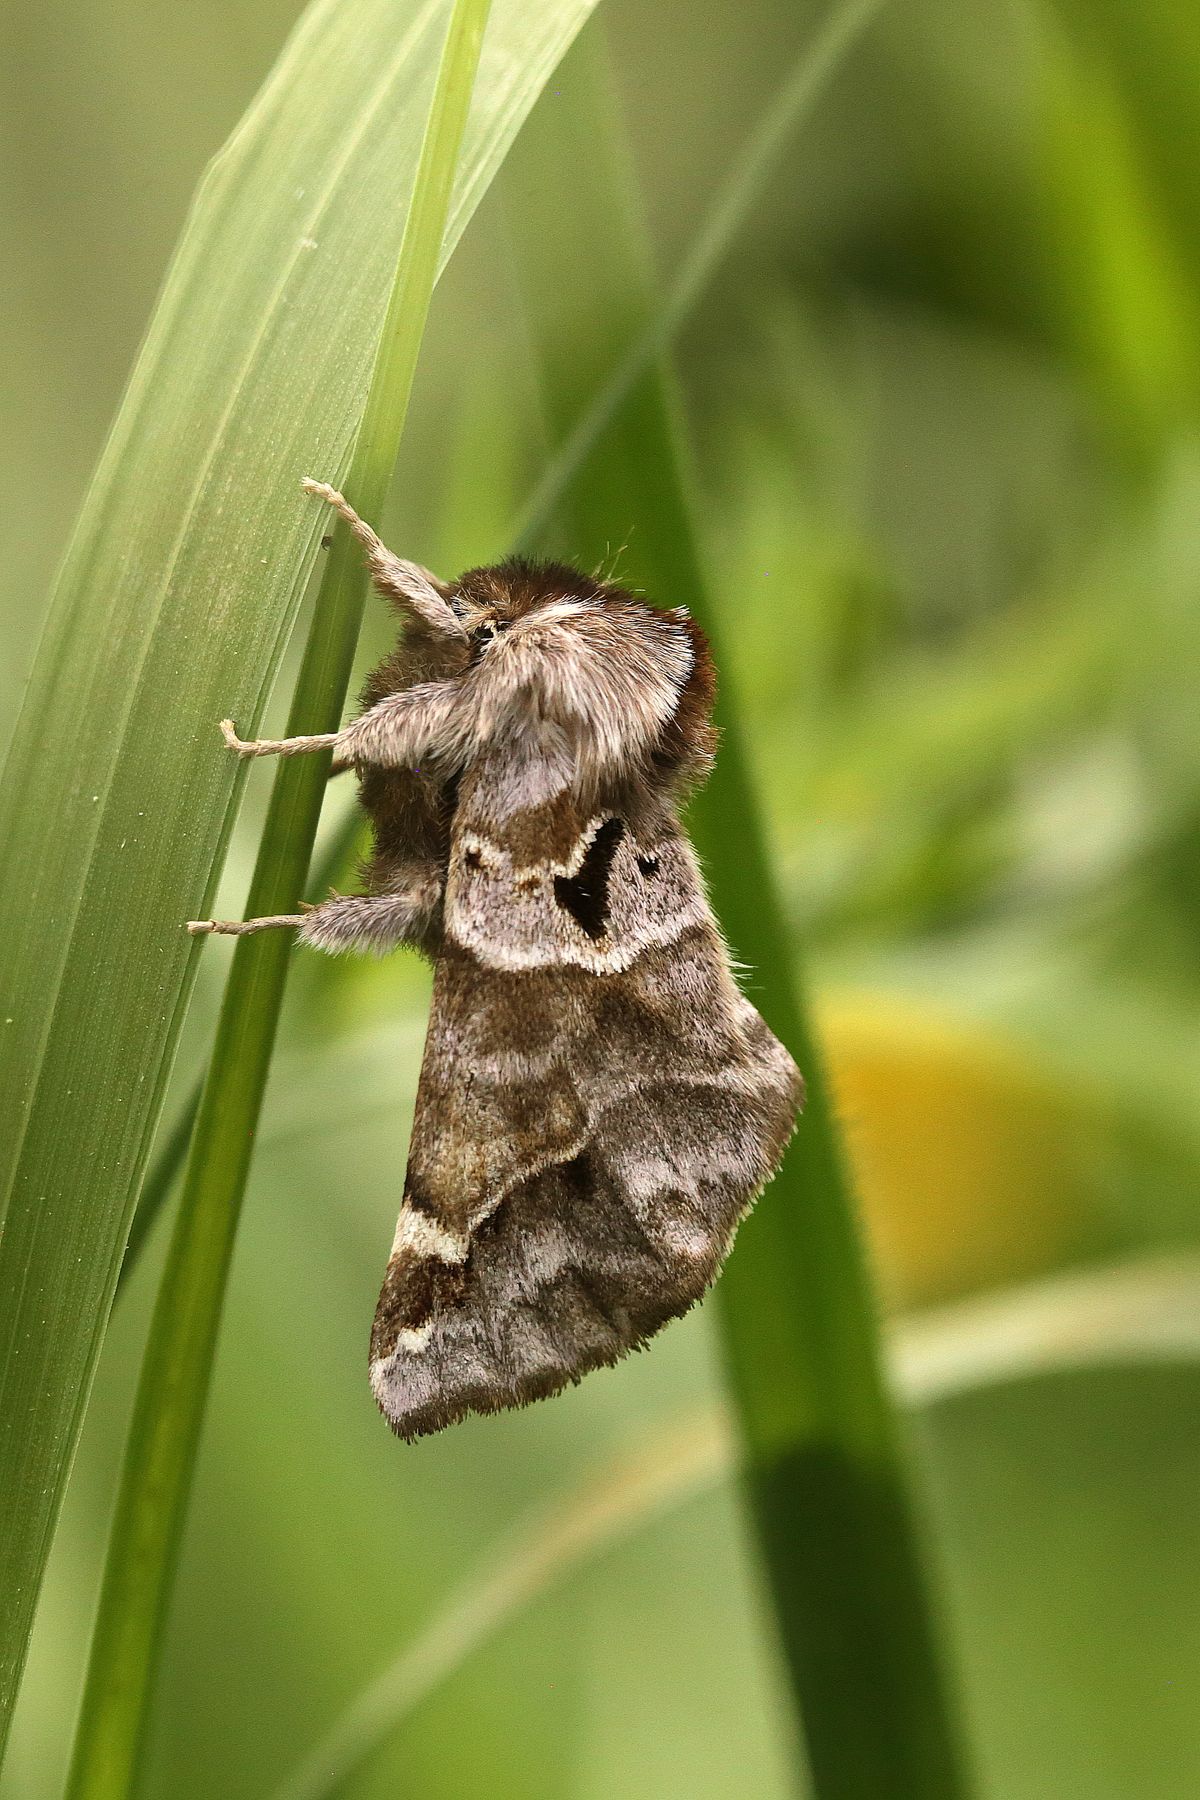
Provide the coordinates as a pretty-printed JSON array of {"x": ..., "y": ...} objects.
[{"x": 973, "y": 1164}]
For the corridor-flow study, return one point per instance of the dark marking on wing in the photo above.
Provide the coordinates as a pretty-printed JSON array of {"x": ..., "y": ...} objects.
[
  {"x": 418, "y": 1197},
  {"x": 579, "y": 1177},
  {"x": 585, "y": 896},
  {"x": 648, "y": 864},
  {"x": 415, "y": 1290}
]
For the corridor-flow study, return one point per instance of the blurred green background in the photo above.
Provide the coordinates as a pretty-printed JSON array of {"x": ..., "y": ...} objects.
[{"x": 944, "y": 398}]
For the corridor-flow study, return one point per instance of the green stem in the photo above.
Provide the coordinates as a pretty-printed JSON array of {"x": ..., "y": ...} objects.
[
  {"x": 827, "y": 1472},
  {"x": 169, "y": 1408},
  {"x": 171, "y": 1150}
]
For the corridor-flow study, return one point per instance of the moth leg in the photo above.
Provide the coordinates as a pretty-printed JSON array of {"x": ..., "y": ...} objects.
[
  {"x": 345, "y": 922},
  {"x": 418, "y": 593},
  {"x": 297, "y": 746},
  {"x": 243, "y": 927},
  {"x": 403, "y": 730},
  {"x": 395, "y": 733},
  {"x": 371, "y": 921}
]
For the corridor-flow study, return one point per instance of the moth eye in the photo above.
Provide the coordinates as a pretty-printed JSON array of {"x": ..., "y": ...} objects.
[{"x": 483, "y": 634}]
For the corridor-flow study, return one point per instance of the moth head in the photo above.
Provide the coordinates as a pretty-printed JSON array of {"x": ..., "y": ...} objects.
[
  {"x": 611, "y": 678},
  {"x": 521, "y": 600},
  {"x": 590, "y": 637}
]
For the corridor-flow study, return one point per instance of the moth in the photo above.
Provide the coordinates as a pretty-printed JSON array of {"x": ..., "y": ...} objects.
[{"x": 599, "y": 1104}]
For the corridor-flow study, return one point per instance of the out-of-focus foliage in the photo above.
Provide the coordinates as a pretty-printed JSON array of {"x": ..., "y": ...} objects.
[{"x": 944, "y": 400}]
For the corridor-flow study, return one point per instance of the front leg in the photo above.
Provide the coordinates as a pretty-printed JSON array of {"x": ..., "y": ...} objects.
[
  {"x": 418, "y": 594},
  {"x": 347, "y": 921}
]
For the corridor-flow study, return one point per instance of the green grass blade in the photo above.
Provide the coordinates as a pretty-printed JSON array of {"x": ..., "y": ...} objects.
[
  {"x": 609, "y": 1506},
  {"x": 172, "y": 610},
  {"x": 801, "y": 89},
  {"x": 1142, "y": 1313},
  {"x": 177, "y": 1366},
  {"x": 794, "y": 101},
  {"x": 826, "y": 1468},
  {"x": 169, "y": 1158}
]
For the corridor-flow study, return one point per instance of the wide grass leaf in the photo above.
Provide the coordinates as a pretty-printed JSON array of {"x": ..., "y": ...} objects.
[{"x": 172, "y": 610}]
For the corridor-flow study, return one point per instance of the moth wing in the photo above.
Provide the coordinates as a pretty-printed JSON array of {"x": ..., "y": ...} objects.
[{"x": 598, "y": 1107}]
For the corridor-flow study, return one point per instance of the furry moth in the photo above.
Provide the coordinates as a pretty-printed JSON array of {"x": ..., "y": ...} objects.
[{"x": 598, "y": 1103}]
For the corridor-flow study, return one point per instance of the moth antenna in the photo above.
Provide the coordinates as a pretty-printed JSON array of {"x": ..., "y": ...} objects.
[
  {"x": 413, "y": 588},
  {"x": 612, "y": 558}
]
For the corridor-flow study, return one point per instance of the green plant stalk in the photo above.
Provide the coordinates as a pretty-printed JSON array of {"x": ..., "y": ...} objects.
[
  {"x": 827, "y": 1474},
  {"x": 176, "y": 1371}
]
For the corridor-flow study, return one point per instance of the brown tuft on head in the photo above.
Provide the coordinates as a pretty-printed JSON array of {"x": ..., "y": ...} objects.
[
  {"x": 520, "y": 585},
  {"x": 687, "y": 747}
]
